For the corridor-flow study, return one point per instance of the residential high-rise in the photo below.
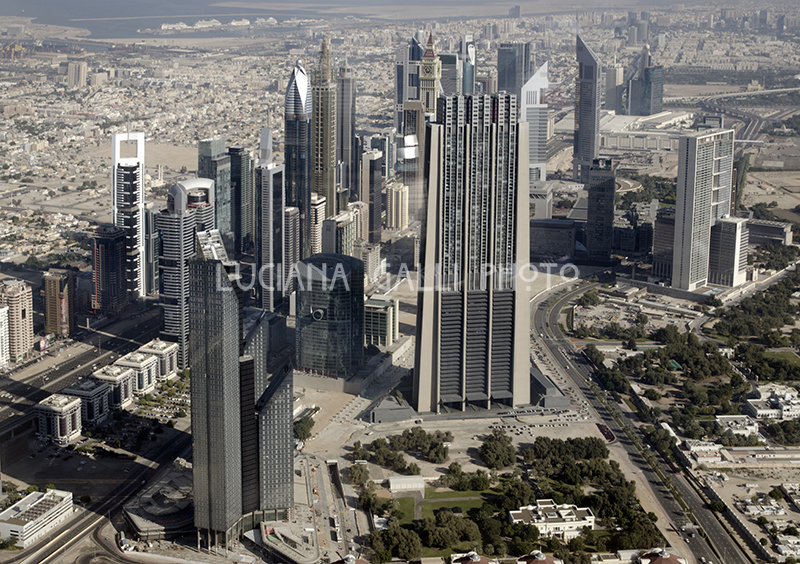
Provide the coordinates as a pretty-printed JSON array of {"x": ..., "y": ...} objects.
[
  {"x": 330, "y": 314},
  {"x": 600, "y": 216},
  {"x": 397, "y": 207},
  {"x": 59, "y": 302},
  {"x": 214, "y": 314},
  {"x": 372, "y": 188},
  {"x": 705, "y": 172},
  {"x": 4, "y": 337},
  {"x": 323, "y": 125},
  {"x": 318, "y": 207},
  {"x": 587, "y": 111},
  {"x": 727, "y": 253},
  {"x": 407, "y": 69},
  {"x": 430, "y": 77},
  {"x": 176, "y": 223},
  {"x": 242, "y": 198},
  {"x": 76, "y": 74},
  {"x": 360, "y": 211},
  {"x": 291, "y": 246},
  {"x": 469, "y": 60},
  {"x": 127, "y": 205},
  {"x": 410, "y": 155},
  {"x": 514, "y": 66},
  {"x": 339, "y": 234},
  {"x": 18, "y": 296},
  {"x": 297, "y": 151},
  {"x": 473, "y": 325},
  {"x": 270, "y": 204},
  {"x": 108, "y": 276},
  {"x": 534, "y": 113},
  {"x": 541, "y": 200},
  {"x": 346, "y": 139},
  {"x": 214, "y": 164},
  {"x": 152, "y": 243}
]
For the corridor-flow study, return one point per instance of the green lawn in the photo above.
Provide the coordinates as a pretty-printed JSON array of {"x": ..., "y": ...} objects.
[
  {"x": 428, "y": 509},
  {"x": 428, "y": 552},
  {"x": 431, "y": 493},
  {"x": 787, "y": 356},
  {"x": 406, "y": 505}
]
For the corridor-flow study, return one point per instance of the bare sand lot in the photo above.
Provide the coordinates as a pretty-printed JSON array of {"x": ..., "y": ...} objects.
[{"x": 166, "y": 154}]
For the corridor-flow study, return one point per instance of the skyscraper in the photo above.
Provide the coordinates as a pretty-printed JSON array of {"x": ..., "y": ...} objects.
[
  {"x": 18, "y": 296},
  {"x": 473, "y": 325},
  {"x": 587, "y": 112},
  {"x": 108, "y": 277},
  {"x": 76, "y": 74},
  {"x": 705, "y": 172},
  {"x": 339, "y": 234},
  {"x": 614, "y": 89},
  {"x": 214, "y": 314},
  {"x": 409, "y": 155},
  {"x": 646, "y": 93},
  {"x": 600, "y": 215},
  {"x": 330, "y": 314},
  {"x": 469, "y": 60},
  {"x": 323, "y": 124},
  {"x": 242, "y": 198},
  {"x": 276, "y": 442},
  {"x": 297, "y": 151},
  {"x": 430, "y": 77},
  {"x": 397, "y": 207},
  {"x": 152, "y": 242},
  {"x": 663, "y": 240},
  {"x": 318, "y": 206},
  {"x": 534, "y": 113},
  {"x": 371, "y": 189},
  {"x": 4, "y": 336},
  {"x": 727, "y": 253},
  {"x": 214, "y": 164},
  {"x": 452, "y": 73},
  {"x": 270, "y": 203},
  {"x": 514, "y": 66},
  {"x": 127, "y": 205},
  {"x": 291, "y": 246},
  {"x": 346, "y": 140},
  {"x": 59, "y": 302},
  {"x": 407, "y": 69},
  {"x": 200, "y": 199},
  {"x": 176, "y": 224}
]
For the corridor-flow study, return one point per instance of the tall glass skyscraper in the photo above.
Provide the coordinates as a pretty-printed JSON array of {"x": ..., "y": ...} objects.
[
  {"x": 330, "y": 314},
  {"x": 323, "y": 138},
  {"x": 514, "y": 66},
  {"x": 600, "y": 214},
  {"x": 127, "y": 207},
  {"x": 346, "y": 140},
  {"x": 214, "y": 313},
  {"x": 213, "y": 163},
  {"x": 242, "y": 198},
  {"x": 469, "y": 61},
  {"x": 587, "y": 111},
  {"x": 297, "y": 150},
  {"x": 406, "y": 86},
  {"x": 473, "y": 325},
  {"x": 270, "y": 204}
]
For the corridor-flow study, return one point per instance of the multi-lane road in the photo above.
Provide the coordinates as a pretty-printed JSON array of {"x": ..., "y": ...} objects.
[{"x": 573, "y": 365}]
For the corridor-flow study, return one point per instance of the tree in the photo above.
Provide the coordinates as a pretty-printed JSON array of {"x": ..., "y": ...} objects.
[
  {"x": 631, "y": 344},
  {"x": 576, "y": 545},
  {"x": 776, "y": 494},
  {"x": 642, "y": 319},
  {"x": 717, "y": 506},
  {"x": 454, "y": 469},
  {"x": 589, "y": 299},
  {"x": 413, "y": 469},
  {"x": 302, "y": 428},
  {"x": 85, "y": 499},
  {"x": 497, "y": 452},
  {"x": 359, "y": 474}
]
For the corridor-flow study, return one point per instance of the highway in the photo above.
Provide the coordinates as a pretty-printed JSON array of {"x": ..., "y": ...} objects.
[{"x": 574, "y": 366}]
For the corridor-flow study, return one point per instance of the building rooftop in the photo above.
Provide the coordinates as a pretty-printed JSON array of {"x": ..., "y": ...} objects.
[
  {"x": 112, "y": 372},
  {"x": 157, "y": 345},
  {"x": 86, "y": 385},
  {"x": 59, "y": 401},
  {"x": 33, "y": 506}
]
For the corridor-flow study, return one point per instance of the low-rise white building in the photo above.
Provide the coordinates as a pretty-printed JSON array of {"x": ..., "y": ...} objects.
[
  {"x": 167, "y": 355},
  {"x": 94, "y": 399},
  {"x": 59, "y": 418},
  {"x": 564, "y": 522},
  {"x": 121, "y": 379},
  {"x": 774, "y": 401},
  {"x": 145, "y": 370},
  {"x": 737, "y": 424},
  {"x": 35, "y": 515}
]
